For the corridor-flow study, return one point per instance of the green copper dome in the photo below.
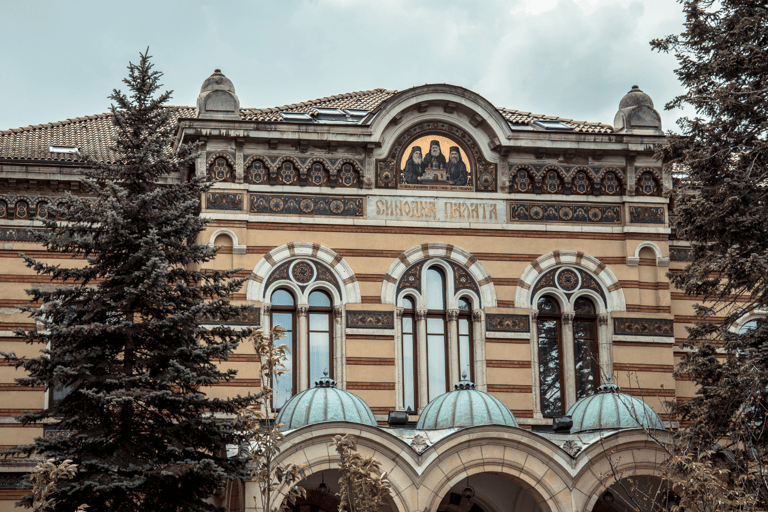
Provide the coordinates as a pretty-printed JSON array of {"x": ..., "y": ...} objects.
[
  {"x": 609, "y": 409},
  {"x": 465, "y": 407},
  {"x": 324, "y": 403}
]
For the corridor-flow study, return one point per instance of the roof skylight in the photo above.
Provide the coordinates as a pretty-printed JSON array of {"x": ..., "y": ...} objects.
[{"x": 67, "y": 150}]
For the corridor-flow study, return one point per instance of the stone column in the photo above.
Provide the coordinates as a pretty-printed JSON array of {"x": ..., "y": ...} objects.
[
  {"x": 302, "y": 348},
  {"x": 536, "y": 388},
  {"x": 452, "y": 315},
  {"x": 604, "y": 346},
  {"x": 421, "y": 331},
  {"x": 399, "y": 384},
  {"x": 568, "y": 362},
  {"x": 239, "y": 169},
  {"x": 339, "y": 348},
  {"x": 478, "y": 340}
]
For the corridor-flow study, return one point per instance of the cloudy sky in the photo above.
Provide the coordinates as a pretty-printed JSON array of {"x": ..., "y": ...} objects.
[{"x": 569, "y": 58}]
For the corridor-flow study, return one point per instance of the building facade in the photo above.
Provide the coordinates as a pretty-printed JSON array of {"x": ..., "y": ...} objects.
[{"x": 410, "y": 242}]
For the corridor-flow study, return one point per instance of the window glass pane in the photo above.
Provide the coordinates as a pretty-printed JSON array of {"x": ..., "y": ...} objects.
[
  {"x": 409, "y": 371},
  {"x": 584, "y": 306},
  {"x": 464, "y": 305},
  {"x": 435, "y": 326},
  {"x": 407, "y": 303},
  {"x": 282, "y": 386},
  {"x": 319, "y": 321},
  {"x": 436, "y": 363},
  {"x": 435, "y": 289},
  {"x": 282, "y": 298},
  {"x": 548, "y": 305},
  {"x": 318, "y": 299},
  {"x": 749, "y": 326},
  {"x": 585, "y": 354},
  {"x": 465, "y": 365},
  {"x": 407, "y": 325},
  {"x": 549, "y": 368}
]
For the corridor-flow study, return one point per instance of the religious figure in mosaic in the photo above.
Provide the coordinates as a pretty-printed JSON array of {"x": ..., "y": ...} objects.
[
  {"x": 457, "y": 169},
  {"x": 435, "y": 158},
  {"x": 413, "y": 167}
]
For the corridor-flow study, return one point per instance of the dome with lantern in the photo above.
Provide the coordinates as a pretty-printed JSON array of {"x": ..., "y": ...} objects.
[{"x": 465, "y": 406}]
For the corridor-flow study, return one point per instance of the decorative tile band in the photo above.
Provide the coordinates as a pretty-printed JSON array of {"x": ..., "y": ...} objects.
[
  {"x": 643, "y": 327},
  {"x": 551, "y": 212},
  {"x": 507, "y": 323},
  {"x": 251, "y": 316},
  {"x": 370, "y": 319},
  {"x": 646, "y": 214},
  {"x": 223, "y": 201},
  {"x": 16, "y": 234},
  {"x": 338, "y": 206},
  {"x": 14, "y": 481},
  {"x": 680, "y": 254}
]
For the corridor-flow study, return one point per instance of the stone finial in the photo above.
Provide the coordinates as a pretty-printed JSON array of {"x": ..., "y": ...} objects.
[
  {"x": 217, "y": 99},
  {"x": 636, "y": 114}
]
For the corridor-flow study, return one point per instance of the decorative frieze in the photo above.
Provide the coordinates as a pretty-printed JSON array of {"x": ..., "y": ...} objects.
[
  {"x": 370, "y": 319},
  {"x": 507, "y": 323},
  {"x": 680, "y": 253},
  {"x": 282, "y": 204},
  {"x": 643, "y": 327},
  {"x": 558, "y": 212},
  {"x": 16, "y": 234},
  {"x": 646, "y": 214},
  {"x": 223, "y": 201},
  {"x": 303, "y": 273},
  {"x": 251, "y": 317},
  {"x": 436, "y": 209},
  {"x": 14, "y": 481}
]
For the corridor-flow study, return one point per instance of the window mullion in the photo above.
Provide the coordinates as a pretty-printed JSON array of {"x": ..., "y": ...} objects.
[
  {"x": 421, "y": 328},
  {"x": 452, "y": 316},
  {"x": 569, "y": 361},
  {"x": 301, "y": 357}
]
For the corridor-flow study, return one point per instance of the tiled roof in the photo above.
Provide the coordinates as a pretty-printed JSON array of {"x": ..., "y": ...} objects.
[
  {"x": 363, "y": 100},
  {"x": 93, "y": 134}
]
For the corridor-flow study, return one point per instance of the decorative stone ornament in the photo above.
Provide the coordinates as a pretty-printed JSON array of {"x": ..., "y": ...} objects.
[
  {"x": 637, "y": 115},
  {"x": 217, "y": 99}
]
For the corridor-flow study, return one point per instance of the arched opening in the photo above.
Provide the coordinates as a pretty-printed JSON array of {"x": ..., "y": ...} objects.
[
  {"x": 322, "y": 489},
  {"x": 635, "y": 494},
  {"x": 284, "y": 314},
  {"x": 488, "y": 492}
]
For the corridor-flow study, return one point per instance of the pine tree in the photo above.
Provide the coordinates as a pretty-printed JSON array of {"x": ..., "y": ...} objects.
[
  {"x": 123, "y": 329},
  {"x": 722, "y": 210}
]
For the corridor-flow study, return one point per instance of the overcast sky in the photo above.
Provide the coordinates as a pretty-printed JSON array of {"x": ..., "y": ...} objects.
[{"x": 570, "y": 58}]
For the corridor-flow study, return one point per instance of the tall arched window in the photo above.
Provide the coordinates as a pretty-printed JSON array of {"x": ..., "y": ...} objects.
[
  {"x": 283, "y": 313},
  {"x": 320, "y": 335},
  {"x": 550, "y": 356},
  {"x": 410, "y": 362},
  {"x": 466, "y": 347},
  {"x": 585, "y": 347},
  {"x": 437, "y": 367}
]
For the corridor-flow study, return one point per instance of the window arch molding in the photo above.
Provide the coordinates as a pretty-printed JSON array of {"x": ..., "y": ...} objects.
[
  {"x": 615, "y": 300},
  {"x": 661, "y": 261},
  {"x": 350, "y": 289},
  {"x": 452, "y": 297},
  {"x": 449, "y": 252},
  {"x": 756, "y": 314},
  {"x": 236, "y": 248}
]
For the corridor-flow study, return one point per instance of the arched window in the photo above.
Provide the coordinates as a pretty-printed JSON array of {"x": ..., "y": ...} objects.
[
  {"x": 585, "y": 347},
  {"x": 320, "y": 335},
  {"x": 284, "y": 314},
  {"x": 549, "y": 331},
  {"x": 466, "y": 346},
  {"x": 410, "y": 362},
  {"x": 437, "y": 370},
  {"x": 438, "y": 332}
]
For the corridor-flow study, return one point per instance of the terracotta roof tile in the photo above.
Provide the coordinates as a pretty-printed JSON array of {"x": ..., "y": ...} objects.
[{"x": 93, "y": 134}]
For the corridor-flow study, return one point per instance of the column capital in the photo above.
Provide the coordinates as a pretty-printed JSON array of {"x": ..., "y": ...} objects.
[
  {"x": 399, "y": 313},
  {"x": 421, "y": 314},
  {"x": 266, "y": 308},
  {"x": 568, "y": 318},
  {"x": 452, "y": 315},
  {"x": 337, "y": 312},
  {"x": 477, "y": 315},
  {"x": 302, "y": 311},
  {"x": 603, "y": 318}
]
